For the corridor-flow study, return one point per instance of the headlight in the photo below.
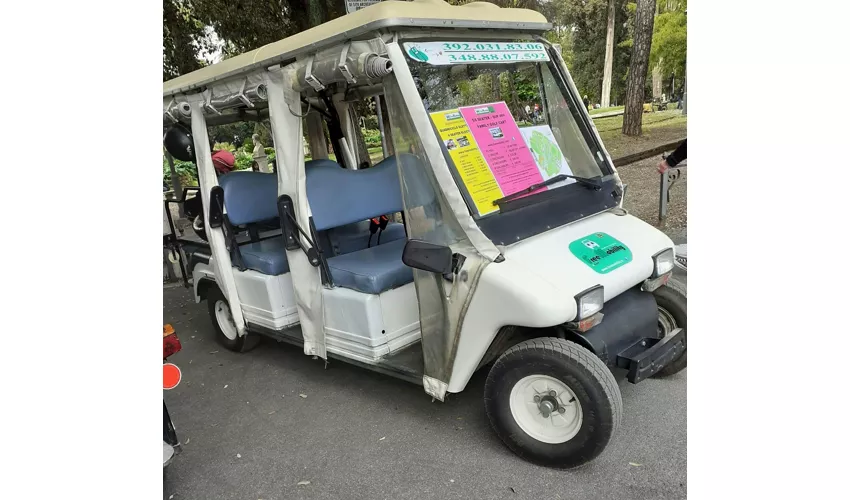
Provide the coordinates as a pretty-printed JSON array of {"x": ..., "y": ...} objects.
[
  {"x": 589, "y": 302},
  {"x": 662, "y": 262}
]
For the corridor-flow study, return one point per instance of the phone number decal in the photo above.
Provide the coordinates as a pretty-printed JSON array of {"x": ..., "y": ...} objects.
[{"x": 444, "y": 53}]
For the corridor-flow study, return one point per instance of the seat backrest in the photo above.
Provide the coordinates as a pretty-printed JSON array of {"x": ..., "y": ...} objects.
[
  {"x": 249, "y": 197},
  {"x": 339, "y": 196}
]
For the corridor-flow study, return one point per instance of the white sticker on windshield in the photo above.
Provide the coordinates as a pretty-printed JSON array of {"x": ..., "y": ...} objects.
[{"x": 445, "y": 53}]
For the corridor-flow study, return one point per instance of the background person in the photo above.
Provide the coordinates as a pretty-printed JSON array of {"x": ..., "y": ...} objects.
[{"x": 676, "y": 157}]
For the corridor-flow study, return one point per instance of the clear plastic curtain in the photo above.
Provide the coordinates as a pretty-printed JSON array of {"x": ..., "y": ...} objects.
[{"x": 430, "y": 217}]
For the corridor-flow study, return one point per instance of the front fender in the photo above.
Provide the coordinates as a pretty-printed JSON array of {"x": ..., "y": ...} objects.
[
  {"x": 200, "y": 273},
  {"x": 507, "y": 294}
]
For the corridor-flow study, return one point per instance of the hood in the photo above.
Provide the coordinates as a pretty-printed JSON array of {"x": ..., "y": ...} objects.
[{"x": 611, "y": 250}]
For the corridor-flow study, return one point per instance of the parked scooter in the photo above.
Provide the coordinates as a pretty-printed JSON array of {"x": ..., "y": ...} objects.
[{"x": 171, "y": 377}]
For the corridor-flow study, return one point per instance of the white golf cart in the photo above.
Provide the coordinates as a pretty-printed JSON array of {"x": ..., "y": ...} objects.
[{"x": 513, "y": 251}]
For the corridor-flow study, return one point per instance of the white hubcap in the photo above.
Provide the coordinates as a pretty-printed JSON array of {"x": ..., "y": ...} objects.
[
  {"x": 546, "y": 409},
  {"x": 225, "y": 319}
]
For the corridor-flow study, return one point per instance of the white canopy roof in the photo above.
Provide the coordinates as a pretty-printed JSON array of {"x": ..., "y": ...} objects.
[{"x": 389, "y": 13}]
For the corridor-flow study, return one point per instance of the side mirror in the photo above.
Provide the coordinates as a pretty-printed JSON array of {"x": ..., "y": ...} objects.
[{"x": 426, "y": 256}]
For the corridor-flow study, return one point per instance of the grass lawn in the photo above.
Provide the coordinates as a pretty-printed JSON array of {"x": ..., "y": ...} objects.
[
  {"x": 658, "y": 128},
  {"x": 606, "y": 110},
  {"x": 375, "y": 154}
]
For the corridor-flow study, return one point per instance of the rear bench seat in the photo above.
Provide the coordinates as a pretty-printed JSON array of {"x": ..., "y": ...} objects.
[
  {"x": 340, "y": 197},
  {"x": 251, "y": 198}
]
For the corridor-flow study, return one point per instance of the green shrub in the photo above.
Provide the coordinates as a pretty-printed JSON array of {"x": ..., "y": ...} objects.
[
  {"x": 371, "y": 121},
  {"x": 243, "y": 160},
  {"x": 188, "y": 174},
  {"x": 186, "y": 171},
  {"x": 372, "y": 137}
]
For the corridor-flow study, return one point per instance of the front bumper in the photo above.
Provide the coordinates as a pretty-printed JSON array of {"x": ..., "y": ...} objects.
[
  {"x": 629, "y": 336},
  {"x": 648, "y": 357}
]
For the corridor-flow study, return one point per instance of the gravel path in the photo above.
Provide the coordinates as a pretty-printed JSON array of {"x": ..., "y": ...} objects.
[
  {"x": 257, "y": 424},
  {"x": 642, "y": 198}
]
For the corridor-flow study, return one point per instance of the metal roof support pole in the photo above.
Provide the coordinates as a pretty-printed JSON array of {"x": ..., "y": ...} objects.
[
  {"x": 316, "y": 136},
  {"x": 176, "y": 186}
]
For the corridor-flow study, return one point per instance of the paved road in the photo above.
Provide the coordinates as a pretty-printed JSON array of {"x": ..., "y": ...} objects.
[{"x": 358, "y": 435}]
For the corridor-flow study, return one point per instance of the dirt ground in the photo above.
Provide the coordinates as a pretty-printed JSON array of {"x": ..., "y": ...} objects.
[{"x": 642, "y": 197}]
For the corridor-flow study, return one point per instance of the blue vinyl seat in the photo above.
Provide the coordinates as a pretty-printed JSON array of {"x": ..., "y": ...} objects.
[
  {"x": 372, "y": 270},
  {"x": 339, "y": 198}
]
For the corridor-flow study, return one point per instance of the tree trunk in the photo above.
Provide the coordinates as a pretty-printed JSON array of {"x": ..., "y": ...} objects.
[
  {"x": 362, "y": 150},
  {"x": 515, "y": 99},
  {"x": 636, "y": 82},
  {"x": 657, "y": 81},
  {"x": 388, "y": 129},
  {"x": 609, "y": 58},
  {"x": 496, "y": 86},
  {"x": 316, "y": 12},
  {"x": 316, "y": 136}
]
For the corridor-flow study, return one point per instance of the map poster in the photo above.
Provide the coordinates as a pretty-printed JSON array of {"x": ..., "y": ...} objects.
[
  {"x": 473, "y": 170},
  {"x": 546, "y": 152},
  {"x": 502, "y": 145}
]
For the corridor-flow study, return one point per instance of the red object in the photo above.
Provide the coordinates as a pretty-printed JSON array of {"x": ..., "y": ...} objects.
[
  {"x": 170, "y": 376},
  {"x": 223, "y": 161},
  {"x": 170, "y": 345}
]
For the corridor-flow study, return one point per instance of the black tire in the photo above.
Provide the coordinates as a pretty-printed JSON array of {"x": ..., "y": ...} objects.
[
  {"x": 672, "y": 301},
  {"x": 199, "y": 228},
  {"x": 586, "y": 376},
  {"x": 240, "y": 344}
]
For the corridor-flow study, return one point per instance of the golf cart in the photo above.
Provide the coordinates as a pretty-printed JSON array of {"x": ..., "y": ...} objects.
[{"x": 513, "y": 252}]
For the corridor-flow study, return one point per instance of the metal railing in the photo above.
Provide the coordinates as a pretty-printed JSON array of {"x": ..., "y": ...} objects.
[{"x": 668, "y": 179}]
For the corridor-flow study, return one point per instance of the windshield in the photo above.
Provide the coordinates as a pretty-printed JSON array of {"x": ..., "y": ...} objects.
[{"x": 505, "y": 126}]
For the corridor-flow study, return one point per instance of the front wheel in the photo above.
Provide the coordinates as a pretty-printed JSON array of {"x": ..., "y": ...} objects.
[
  {"x": 672, "y": 314},
  {"x": 225, "y": 328},
  {"x": 553, "y": 402}
]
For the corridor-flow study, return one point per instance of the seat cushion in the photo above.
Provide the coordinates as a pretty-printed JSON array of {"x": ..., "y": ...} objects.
[
  {"x": 266, "y": 256},
  {"x": 372, "y": 270}
]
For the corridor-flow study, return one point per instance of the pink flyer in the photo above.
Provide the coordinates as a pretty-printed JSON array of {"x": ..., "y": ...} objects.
[{"x": 502, "y": 146}]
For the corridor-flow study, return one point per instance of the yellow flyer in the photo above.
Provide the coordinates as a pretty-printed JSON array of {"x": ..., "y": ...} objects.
[{"x": 473, "y": 170}]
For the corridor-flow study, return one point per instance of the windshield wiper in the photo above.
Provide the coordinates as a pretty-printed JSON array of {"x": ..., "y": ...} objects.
[{"x": 586, "y": 182}]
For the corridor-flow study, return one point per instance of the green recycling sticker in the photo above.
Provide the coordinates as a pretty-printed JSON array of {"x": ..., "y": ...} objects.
[{"x": 601, "y": 252}]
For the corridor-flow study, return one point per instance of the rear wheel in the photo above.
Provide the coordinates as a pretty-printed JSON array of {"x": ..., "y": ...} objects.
[
  {"x": 553, "y": 402},
  {"x": 225, "y": 328},
  {"x": 199, "y": 228},
  {"x": 672, "y": 314}
]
